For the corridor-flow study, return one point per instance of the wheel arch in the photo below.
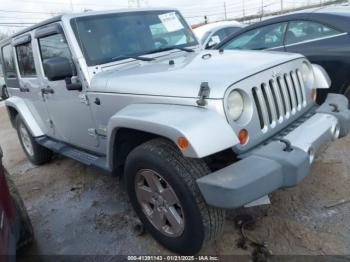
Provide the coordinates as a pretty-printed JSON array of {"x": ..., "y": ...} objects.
[
  {"x": 16, "y": 106},
  {"x": 126, "y": 140},
  {"x": 206, "y": 131}
]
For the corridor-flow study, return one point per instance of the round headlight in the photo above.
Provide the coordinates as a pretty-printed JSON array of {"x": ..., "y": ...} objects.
[
  {"x": 235, "y": 104},
  {"x": 307, "y": 74}
]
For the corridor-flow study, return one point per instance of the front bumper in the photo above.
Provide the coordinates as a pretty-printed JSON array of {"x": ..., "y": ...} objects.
[{"x": 274, "y": 166}]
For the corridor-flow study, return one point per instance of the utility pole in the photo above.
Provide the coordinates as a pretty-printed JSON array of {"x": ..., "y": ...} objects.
[
  {"x": 71, "y": 5},
  {"x": 262, "y": 9},
  {"x": 138, "y": 4},
  {"x": 243, "y": 5},
  {"x": 281, "y": 5},
  {"x": 225, "y": 11}
]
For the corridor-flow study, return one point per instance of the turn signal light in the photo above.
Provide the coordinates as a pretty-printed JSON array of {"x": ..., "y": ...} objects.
[
  {"x": 182, "y": 142},
  {"x": 243, "y": 136},
  {"x": 313, "y": 94}
]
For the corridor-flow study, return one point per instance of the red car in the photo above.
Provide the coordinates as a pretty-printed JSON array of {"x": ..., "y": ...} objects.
[{"x": 15, "y": 227}]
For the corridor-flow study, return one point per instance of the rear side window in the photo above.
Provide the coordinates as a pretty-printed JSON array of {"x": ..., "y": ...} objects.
[
  {"x": 9, "y": 62},
  {"x": 25, "y": 60},
  {"x": 300, "y": 31}
]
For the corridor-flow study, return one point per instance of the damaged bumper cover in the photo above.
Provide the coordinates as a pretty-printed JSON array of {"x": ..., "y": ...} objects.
[{"x": 276, "y": 165}]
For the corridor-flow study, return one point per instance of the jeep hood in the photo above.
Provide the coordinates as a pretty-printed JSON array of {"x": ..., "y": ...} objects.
[{"x": 183, "y": 78}]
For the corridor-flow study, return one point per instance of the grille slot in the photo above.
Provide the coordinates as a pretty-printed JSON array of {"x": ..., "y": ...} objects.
[{"x": 277, "y": 99}]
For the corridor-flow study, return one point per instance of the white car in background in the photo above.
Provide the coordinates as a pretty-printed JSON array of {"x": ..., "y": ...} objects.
[
  {"x": 211, "y": 34},
  {"x": 2, "y": 84}
]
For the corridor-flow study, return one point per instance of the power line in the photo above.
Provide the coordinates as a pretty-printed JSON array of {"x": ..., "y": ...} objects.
[
  {"x": 27, "y": 12},
  {"x": 71, "y": 3}
]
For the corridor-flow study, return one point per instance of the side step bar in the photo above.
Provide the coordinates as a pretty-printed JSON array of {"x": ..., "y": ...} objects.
[{"x": 77, "y": 154}]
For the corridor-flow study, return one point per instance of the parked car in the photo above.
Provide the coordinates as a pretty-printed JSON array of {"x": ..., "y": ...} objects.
[
  {"x": 193, "y": 132},
  {"x": 15, "y": 226},
  {"x": 212, "y": 34},
  {"x": 322, "y": 35}
]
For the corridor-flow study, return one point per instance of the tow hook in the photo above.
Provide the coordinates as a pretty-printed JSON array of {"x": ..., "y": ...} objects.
[
  {"x": 288, "y": 147},
  {"x": 139, "y": 229}
]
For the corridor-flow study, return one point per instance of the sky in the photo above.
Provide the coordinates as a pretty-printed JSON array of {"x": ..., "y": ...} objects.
[{"x": 17, "y": 14}]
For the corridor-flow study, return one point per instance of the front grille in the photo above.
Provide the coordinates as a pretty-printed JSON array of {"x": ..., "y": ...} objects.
[{"x": 279, "y": 98}]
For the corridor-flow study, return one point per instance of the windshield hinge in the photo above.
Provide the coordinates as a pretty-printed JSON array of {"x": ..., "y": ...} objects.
[{"x": 203, "y": 93}]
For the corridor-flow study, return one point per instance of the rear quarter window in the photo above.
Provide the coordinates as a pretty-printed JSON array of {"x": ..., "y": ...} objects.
[
  {"x": 25, "y": 60},
  {"x": 9, "y": 62},
  {"x": 301, "y": 31}
]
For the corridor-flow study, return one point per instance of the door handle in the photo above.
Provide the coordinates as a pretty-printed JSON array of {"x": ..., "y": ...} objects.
[
  {"x": 24, "y": 89},
  {"x": 47, "y": 90}
]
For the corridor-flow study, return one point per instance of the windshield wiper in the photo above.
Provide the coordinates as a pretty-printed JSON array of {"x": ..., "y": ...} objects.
[
  {"x": 133, "y": 57},
  {"x": 189, "y": 50}
]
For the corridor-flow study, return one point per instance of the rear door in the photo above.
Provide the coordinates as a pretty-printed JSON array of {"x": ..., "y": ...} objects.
[
  {"x": 29, "y": 82},
  {"x": 323, "y": 45}
]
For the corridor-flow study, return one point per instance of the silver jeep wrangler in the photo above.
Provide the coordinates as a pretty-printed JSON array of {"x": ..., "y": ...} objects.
[{"x": 192, "y": 132}]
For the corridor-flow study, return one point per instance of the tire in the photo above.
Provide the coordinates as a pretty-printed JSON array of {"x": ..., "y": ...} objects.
[
  {"x": 26, "y": 234},
  {"x": 36, "y": 153},
  {"x": 201, "y": 223}
]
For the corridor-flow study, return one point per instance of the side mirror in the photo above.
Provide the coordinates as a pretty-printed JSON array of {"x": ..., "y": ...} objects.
[
  {"x": 60, "y": 68},
  {"x": 57, "y": 68}
]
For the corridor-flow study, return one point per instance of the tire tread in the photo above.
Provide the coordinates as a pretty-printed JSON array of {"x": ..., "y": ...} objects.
[{"x": 213, "y": 218}]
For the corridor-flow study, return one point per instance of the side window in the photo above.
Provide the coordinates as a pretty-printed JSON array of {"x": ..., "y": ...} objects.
[
  {"x": 260, "y": 38},
  {"x": 217, "y": 37},
  {"x": 54, "y": 46},
  {"x": 25, "y": 59},
  {"x": 220, "y": 34},
  {"x": 9, "y": 62},
  {"x": 299, "y": 31},
  {"x": 231, "y": 30}
]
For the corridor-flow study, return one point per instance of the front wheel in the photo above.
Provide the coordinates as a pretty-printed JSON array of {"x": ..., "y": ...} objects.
[{"x": 162, "y": 187}]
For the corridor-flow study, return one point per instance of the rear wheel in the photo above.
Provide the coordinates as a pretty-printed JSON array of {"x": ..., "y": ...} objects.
[
  {"x": 162, "y": 187},
  {"x": 36, "y": 153}
]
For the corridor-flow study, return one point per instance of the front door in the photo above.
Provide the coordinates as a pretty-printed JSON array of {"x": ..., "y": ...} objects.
[{"x": 70, "y": 114}]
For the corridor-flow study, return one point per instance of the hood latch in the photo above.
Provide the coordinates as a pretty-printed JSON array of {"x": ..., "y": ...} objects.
[{"x": 203, "y": 93}]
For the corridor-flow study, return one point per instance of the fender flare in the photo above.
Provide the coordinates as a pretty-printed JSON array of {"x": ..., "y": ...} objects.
[
  {"x": 207, "y": 131},
  {"x": 20, "y": 106}
]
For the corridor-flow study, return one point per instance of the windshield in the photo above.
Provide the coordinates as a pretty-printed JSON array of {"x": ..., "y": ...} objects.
[{"x": 103, "y": 38}]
